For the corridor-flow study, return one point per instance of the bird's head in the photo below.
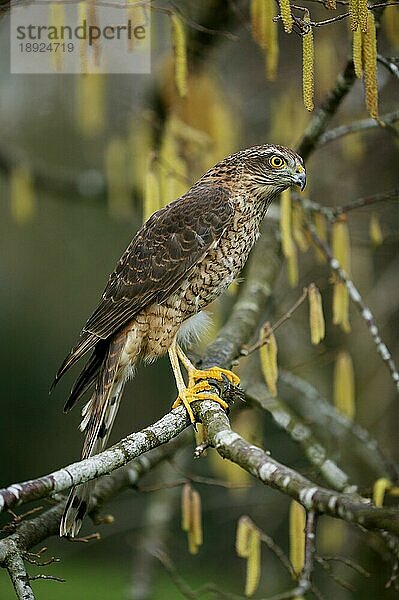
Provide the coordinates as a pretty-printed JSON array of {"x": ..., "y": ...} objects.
[{"x": 270, "y": 169}]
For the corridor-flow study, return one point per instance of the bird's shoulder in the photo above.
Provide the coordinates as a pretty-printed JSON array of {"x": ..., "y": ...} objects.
[{"x": 181, "y": 229}]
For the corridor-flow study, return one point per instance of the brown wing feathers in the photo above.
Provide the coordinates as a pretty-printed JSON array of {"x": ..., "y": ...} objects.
[{"x": 161, "y": 254}]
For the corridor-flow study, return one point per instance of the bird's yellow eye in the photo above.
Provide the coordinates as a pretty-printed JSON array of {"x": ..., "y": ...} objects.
[{"x": 276, "y": 161}]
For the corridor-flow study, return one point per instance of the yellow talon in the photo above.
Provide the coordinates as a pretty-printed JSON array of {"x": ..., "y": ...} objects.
[
  {"x": 213, "y": 373},
  {"x": 213, "y": 397},
  {"x": 198, "y": 391},
  {"x": 184, "y": 398}
]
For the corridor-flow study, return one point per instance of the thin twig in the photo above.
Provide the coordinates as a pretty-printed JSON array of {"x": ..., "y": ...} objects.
[
  {"x": 271, "y": 329},
  {"x": 332, "y": 212},
  {"x": 47, "y": 577},
  {"x": 389, "y": 64},
  {"x": 278, "y": 552},
  {"x": 363, "y": 124},
  {"x": 349, "y": 563},
  {"x": 304, "y": 582},
  {"x": 328, "y": 568}
]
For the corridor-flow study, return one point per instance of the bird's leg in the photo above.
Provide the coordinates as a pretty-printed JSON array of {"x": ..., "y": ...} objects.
[
  {"x": 195, "y": 374},
  {"x": 198, "y": 387},
  {"x": 198, "y": 378},
  {"x": 181, "y": 386}
]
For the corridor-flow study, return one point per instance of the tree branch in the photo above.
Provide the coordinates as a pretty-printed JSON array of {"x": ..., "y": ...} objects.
[
  {"x": 119, "y": 455},
  {"x": 18, "y": 575},
  {"x": 261, "y": 465},
  {"x": 363, "y": 124},
  {"x": 304, "y": 583},
  {"x": 300, "y": 433},
  {"x": 332, "y": 212},
  {"x": 313, "y": 408}
]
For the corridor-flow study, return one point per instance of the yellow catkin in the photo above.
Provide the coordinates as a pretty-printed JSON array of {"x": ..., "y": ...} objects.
[
  {"x": 84, "y": 43},
  {"x": 341, "y": 251},
  {"x": 180, "y": 51},
  {"x": 331, "y": 4},
  {"x": 286, "y": 16},
  {"x": 221, "y": 129},
  {"x": 394, "y": 491},
  {"x": 327, "y": 61},
  {"x": 140, "y": 146},
  {"x": 316, "y": 316},
  {"x": 207, "y": 135},
  {"x": 172, "y": 166},
  {"x": 390, "y": 23},
  {"x": 253, "y": 562},
  {"x": 262, "y": 12},
  {"x": 271, "y": 37},
  {"x": 90, "y": 101},
  {"x": 340, "y": 307},
  {"x": 379, "y": 489},
  {"x": 344, "y": 385},
  {"x": 191, "y": 517},
  {"x": 186, "y": 507},
  {"x": 256, "y": 10},
  {"x": 22, "y": 195},
  {"x": 196, "y": 518},
  {"x": 117, "y": 180},
  {"x": 308, "y": 65},
  {"x": 353, "y": 14},
  {"x": 363, "y": 15},
  {"x": 376, "y": 235},
  {"x": 92, "y": 20},
  {"x": 341, "y": 243},
  {"x": 242, "y": 536},
  {"x": 268, "y": 360},
  {"x": 264, "y": 32},
  {"x": 57, "y": 19},
  {"x": 320, "y": 223},
  {"x": 357, "y": 43},
  {"x": 287, "y": 243},
  {"x": 287, "y": 123},
  {"x": 136, "y": 15},
  {"x": 292, "y": 269},
  {"x": 151, "y": 196},
  {"x": 298, "y": 227},
  {"x": 297, "y": 519},
  {"x": 192, "y": 546},
  {"x": 370, "y": 66}
]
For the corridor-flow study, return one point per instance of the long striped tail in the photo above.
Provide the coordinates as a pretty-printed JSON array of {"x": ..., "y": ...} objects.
[{"x": 98, "y": 417}]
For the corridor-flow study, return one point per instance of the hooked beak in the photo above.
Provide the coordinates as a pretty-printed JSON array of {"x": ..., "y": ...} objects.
[{"x": 299, "y": 177}]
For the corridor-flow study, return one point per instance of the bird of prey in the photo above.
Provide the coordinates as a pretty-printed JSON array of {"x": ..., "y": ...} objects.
[{"x": 181, "y": 259}]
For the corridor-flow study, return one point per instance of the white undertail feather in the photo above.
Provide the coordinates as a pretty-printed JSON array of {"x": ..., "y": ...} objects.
[{"x": 193, "y": 328}]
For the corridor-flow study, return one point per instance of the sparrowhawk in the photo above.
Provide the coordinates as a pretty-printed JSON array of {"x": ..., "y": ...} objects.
[{"x": 181, "y": 259}]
